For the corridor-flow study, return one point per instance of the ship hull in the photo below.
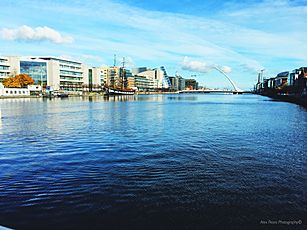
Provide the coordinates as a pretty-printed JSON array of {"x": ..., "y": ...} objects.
[{"x": 119, "y": 92}]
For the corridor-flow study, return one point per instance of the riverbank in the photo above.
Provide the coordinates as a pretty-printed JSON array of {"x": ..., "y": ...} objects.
[
  {"x": 302, "y": 101},
  {"x": 13, "y": 97},
  {"x": 90, "y": 95},
  {"x": 143, "y": 93}
]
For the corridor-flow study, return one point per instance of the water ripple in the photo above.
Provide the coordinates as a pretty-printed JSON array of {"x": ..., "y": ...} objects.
[{"x": 152, "y": 162}]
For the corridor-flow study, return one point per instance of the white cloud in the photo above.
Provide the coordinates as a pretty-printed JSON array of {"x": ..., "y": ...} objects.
[
  {"x": 226, "y": 69},
  {"x": 195, "y": 66},
  {"x": 248, "y": 37},
  {"x": 201, "y": 66},
  {"x": 29, "y": 34}
]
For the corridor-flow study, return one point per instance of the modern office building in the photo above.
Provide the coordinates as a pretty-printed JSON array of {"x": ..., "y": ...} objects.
[
  {"x": 154, "y": 75},
  {"x": 98, "y": 76},
  {"x": 165, "y": 80},
  {"x": 138, "y": 70},
  {"x": 177, "y": 82},
  {"x": 141, "y": 83},
  {"x": 158, "y": 76},
  {"x": 131, "y": 82},
  {"x": 4, "y": 68},
  {"x": 58, "y": 73},
  {"x": 35, "y": 68},
  {"x": 174, "y": 83},
  {"x": 181, "y": 82},
  {"x": 64, "y": 74},
  {"x": 191, "y": 84},
  {"x": 93, "y": 81}
]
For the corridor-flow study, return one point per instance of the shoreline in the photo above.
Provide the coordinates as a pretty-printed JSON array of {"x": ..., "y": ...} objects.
[{"x": 287, "y": 98}]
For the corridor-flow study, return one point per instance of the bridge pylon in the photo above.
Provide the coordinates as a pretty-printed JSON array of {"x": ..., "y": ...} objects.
[{"x": 236, "y": 88}]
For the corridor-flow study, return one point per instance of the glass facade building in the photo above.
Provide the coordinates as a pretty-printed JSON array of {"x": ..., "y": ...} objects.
[{"x": 36, "y": 70}]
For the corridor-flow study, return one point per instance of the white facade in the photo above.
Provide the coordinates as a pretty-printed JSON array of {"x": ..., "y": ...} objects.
[
  {"x": 35, "y": 88},
  {"x": 13, "y": 92},
  {"x": 4, "y": 68},
  {"x": 60, "y": 73},
  {"x": 156, "y": 76},
  {"x": 34, "y": 67},
  {"x": 64, "y": 74},
  {"x": 98, "y": 75}
]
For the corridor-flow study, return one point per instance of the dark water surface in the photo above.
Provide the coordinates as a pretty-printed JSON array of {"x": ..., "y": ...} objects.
[{"x": 153, "y": 162}]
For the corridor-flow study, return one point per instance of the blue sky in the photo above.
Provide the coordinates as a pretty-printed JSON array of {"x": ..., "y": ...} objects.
[{"x": 187, "y": 36}]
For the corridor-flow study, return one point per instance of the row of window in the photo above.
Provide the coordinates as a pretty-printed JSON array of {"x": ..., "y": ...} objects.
[
  {"x": 70, "y": 67},
  {"x": 70, "y": 73},
  {"x": 15, "y": 92},
  {"x": 70, "y": 78},
  {"x": 69, "y": 62},
  {"x": 70, "y": 89},
  {"x": 4, "y": 67},
  {"x": 71, "y": 84},
  {"x": 3, "y": 74}
]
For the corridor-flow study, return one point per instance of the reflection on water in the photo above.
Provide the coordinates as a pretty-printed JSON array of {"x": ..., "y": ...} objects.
[
  {"x": 151, "y": 162},
  {"x": 182, "y": 98},
  {"x": 0, "y": 121}
]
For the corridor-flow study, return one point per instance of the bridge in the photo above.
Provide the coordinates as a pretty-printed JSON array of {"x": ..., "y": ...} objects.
[
  {"x": 236, "y": 89},
  {"x": 214, "y": 91}
]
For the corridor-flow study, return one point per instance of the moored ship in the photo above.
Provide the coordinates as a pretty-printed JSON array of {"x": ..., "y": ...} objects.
[
  {"x": 118, "y": 87},
  {"x": 111, "y": 91}
]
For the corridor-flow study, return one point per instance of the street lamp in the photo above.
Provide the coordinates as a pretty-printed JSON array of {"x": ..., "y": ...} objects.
[{"x": 261, "y": 79}]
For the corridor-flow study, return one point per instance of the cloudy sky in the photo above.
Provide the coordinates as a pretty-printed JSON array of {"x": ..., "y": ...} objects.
[{"x": 188, "y": 36}]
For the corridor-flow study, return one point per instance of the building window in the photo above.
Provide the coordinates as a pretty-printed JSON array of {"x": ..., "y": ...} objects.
[
  {"x": 23, "y": 92},
  {"x": 11, "y": 92},
  {"x": 7, "y": 91},
  {"x": 36, "y": 70}
]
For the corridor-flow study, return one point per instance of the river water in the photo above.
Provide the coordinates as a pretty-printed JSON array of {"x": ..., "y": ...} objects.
[{"x": 194, "y": 161}]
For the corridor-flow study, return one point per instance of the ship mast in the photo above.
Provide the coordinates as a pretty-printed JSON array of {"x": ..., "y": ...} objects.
[
  {"x": 123, "y": 74},
  {"x": 114, "y": 60}
]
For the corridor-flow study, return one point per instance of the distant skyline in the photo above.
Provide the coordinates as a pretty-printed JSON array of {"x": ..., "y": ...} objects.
[{"x": 188, "y": 37}]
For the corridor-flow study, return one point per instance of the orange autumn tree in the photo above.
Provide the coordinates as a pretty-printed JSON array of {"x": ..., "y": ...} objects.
[{"x": 19, "y": 81}]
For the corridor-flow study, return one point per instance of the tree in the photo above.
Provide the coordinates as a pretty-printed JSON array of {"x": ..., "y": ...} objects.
[{"x": 18, "y": 81}]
